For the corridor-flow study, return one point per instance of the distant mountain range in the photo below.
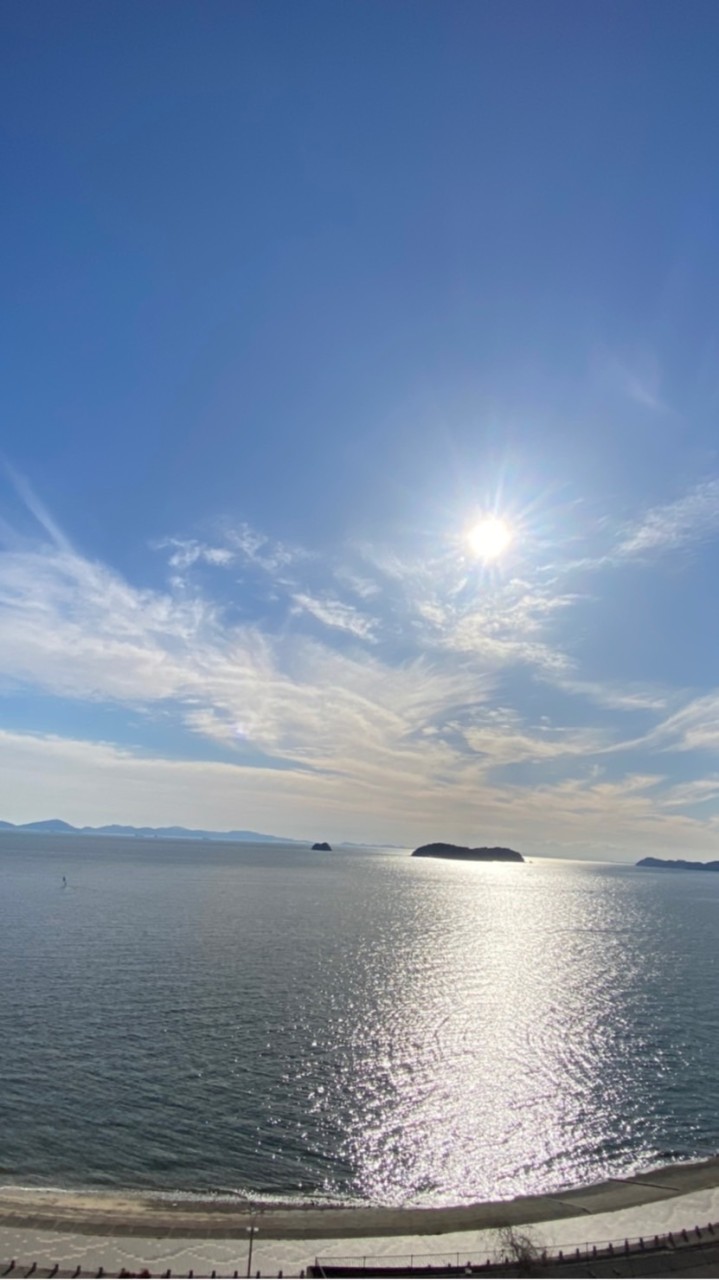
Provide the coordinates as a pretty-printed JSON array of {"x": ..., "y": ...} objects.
[{"x": 56, "y": 827}]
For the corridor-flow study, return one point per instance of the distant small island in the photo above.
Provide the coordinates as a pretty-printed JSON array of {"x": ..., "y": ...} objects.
[
  {"x": 676, "y": 864},
  {"x": 322, "y": 846},
  {"x": 464, "y": 854}
]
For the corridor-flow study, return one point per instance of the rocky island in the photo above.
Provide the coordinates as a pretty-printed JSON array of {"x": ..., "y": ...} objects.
[
  {"x": 322, "y": 846},
  {"x": 464, "y": 854},
  {"x": 676, "y": 864}
]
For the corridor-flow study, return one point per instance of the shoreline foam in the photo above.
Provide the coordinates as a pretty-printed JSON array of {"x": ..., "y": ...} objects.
[{"x": 146, "y": 1214}]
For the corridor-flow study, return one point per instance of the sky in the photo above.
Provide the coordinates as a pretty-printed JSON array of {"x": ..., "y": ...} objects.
[{"x": 297, "y": 296}]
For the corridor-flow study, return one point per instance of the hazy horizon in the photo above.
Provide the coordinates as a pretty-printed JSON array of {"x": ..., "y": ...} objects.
[
  {"x": 239, "y": 834},
  {"x": 44, "y": 827}
]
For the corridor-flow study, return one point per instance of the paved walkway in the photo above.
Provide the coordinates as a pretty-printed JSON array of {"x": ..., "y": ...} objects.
[{"x": 288, "y": 1242}]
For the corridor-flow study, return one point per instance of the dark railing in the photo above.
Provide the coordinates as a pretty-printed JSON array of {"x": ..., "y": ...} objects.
[
  {"x": 449, "y": 1263},
  {"x": 42, "y": 1271},
  {"x": 444, "y": 1263}
]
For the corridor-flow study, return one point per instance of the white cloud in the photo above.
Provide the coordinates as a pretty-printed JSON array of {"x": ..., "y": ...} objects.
[
  {"x": 359, "y": 585},
  {"x": 688, "y": 520},
  {"x": 265, "y": 553},
  {"x": 451, "y": 607},
  {"x": 615, "y": 696},
  {"x": 507, "y": 741},
  {"x": 694, "y": 727},
  {"x": 239, "y": 545},
  {"x": 75, "y": 629},
  {"x": 688, "y": 794},
  {"x": 391, "y": 741},
  {"x": 185, "y": 552},
  {"x": 333, "y": 613},
  {"x": 692, "y": 518}
]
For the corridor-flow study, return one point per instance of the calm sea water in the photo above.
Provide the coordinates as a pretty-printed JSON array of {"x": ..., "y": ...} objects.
[{"x": 357, "y": 1025}]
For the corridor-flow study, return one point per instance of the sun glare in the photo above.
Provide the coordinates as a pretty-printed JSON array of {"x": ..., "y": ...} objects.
[{"x": 489, "y": 538}]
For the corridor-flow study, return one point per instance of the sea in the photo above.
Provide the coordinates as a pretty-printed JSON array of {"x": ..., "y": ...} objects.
[{"x": 196, "y": 1019}]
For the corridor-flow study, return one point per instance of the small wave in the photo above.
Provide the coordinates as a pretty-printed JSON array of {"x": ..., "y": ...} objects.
[{"x": 240, "y": 1197}]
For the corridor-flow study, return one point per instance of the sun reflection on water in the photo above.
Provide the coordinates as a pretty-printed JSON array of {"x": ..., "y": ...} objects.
[
  {"x": 493, "y": 1055},
  {"x": 367, "y": 1026}
]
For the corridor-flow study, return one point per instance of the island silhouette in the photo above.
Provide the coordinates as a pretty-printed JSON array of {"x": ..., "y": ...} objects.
[
  {"x": 464, "y": 854},
  {"x": 676, "y": 864}
]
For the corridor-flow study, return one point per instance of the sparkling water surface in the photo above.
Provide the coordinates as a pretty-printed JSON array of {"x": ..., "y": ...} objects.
[{"x": 357, "y": 1025}]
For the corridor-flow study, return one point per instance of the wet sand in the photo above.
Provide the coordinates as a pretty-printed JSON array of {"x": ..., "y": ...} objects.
[{"x": 118, "y": 1214}]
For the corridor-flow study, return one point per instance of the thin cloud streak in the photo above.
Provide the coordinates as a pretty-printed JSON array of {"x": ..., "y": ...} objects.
[
  {"x": 186, "y": 552},
  {"x": 639, "y": 379},
  {"x": 37, "y": 509},
  {"x": 692, "y": 518},
  {"x": 336, "y": 614},
  {"x": 615, "y": 696}
]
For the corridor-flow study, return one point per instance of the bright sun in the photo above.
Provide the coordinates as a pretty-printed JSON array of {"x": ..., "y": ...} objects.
[{"x": 490, "y": 538}]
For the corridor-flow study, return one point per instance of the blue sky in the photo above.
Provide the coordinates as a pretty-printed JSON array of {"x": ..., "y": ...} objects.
[{"x": 295, "y": 295}]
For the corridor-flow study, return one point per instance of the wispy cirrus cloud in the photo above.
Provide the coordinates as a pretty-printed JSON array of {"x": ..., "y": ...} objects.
[
  {"x": 186, "y": 552},
  {"x": 380, "y": 687},
  {"x": 254, "y": 548},
  {"x": 501, "y": 736},
  {"x": 689, "y": 794},
  {"x": 447, "y": 604},
  {"x": 37, "y": 509},
  {"x": 335, "y": 614},
  {"x": 636, "y": 376},
  {"x": 440, "y": 603},
  {"x": 95, "y": 781},
  {"x": 74, "y": 628},
  {"x": 616, "y": 696},
  {"x": 234, "y": 545},
  {"x": 694, "y": 517},
  {"x": 694, "y": 726},
  {"x": 688, "y": 520}
]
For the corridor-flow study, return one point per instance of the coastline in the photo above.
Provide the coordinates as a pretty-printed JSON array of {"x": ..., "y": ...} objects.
[{"x": 104, "y": 1213}]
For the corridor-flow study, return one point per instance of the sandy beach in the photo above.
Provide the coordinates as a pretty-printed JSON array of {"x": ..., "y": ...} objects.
[
  {"x": 101, "y": 1213},
  {"x": 115, "y": 1231}
]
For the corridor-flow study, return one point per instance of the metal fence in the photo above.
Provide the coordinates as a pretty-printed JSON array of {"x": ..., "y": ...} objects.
[
  {"x": 511, "y": 1251},
  {"x": 516, "y": 1248}
]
